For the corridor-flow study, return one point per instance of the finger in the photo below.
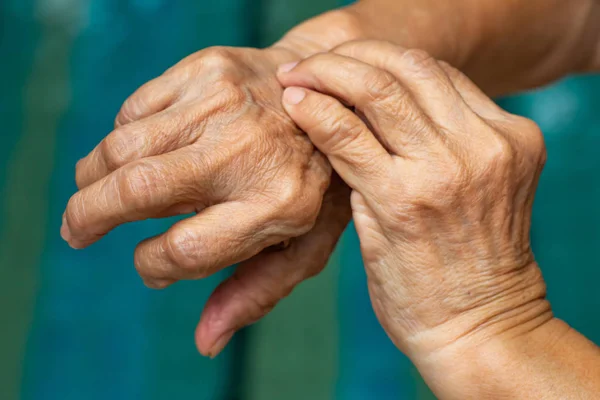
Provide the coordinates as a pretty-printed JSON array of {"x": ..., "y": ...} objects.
[
  {"x": 420, "y": 73},
  {"x": 260, "y": 283},
  {"x": 166, "y": 131},
  {"x": 144, "y": 189},
  {"x": 390, "y": 110},
  {"x": 151, "y": 98},
  {"x": 475, "y": 98},
  {"x": 415, "y": 68},
  {"x": 160, "y": 133},
  {"x": 341, "y": 135},
  {"x": 216, "y": 238}
]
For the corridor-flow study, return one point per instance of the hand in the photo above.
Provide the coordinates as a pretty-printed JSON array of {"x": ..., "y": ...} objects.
[
  {"x": 210, "y": 137},
  {"x": 443, "y": 183}
]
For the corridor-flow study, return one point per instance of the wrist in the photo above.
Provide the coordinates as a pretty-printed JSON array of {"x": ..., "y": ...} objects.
[
  {"x": 513, "y": 365},
  {"x": 461, "y": 355},
  {"x": 320, "y": 34},
  {"x": 449, "y": 39},
  {"x": 492, "y": 306},
  {"x": 504, "y": 367}
]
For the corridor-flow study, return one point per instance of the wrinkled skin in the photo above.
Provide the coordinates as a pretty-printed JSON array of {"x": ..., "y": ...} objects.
[
  {"x": 443, "y": 185},
  {"x": 215, "y": 123},
  {"x": 210, "y": 137}
]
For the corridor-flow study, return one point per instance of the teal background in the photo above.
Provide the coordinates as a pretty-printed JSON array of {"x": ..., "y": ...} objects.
[
  {"x": 566, "y": 219},
  {"x": 80, "y": 325}
]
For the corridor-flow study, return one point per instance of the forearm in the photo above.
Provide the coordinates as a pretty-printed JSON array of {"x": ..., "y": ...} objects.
[
  {"x": 504, "y": 46},
  {"x": 551, "y": 361}
]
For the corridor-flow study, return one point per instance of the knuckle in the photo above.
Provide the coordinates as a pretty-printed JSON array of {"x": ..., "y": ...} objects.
[
  {"x": 450, "y": 183},
  {"x": 496, "y": 162},
  {"x": 453, "y": 73},
  {"x": 231, "y": 94},
  {"x": 321, "y": 178},
  {"x": 215, "y": 61},
  {"x": 296, "y": 207},
  {"x": 340, "y": 130},
  {"x": 288, "y": 194},
  {"x": 418, "y": 62},
  {"x": 439, "y": 191},
  {"x": 326, "y": 110},
  {"x": 307, "y": 212},
  {"x": 80, "y": 174},
  {"x": 182, "y": 68},
  {"x": 399, "y": 99},
  {"x": 181, "y": 247},
  {"x": 131, "y": 109},
  {"x": 322, "y": 112},
  {"x": 117, "y": 149},
  {"x": 152, "y": 279},
  {"x": 347, "y": 48},
  {"x": 405, "y": 215},
  {"x": 535, "y": 145},
  {"x": 138, "y": 183},
  {"x": 217, "y": 58},
  {"x": 380, "y": 84},
  {"x": 343, "y": 133},
  {"x": 498, "y": 153},
  {"x": 417, "y": 58},
  {"x": 112, "y": 157},
  {"x": 183, "y": 72},
  {"x": 355, "y": 47}
]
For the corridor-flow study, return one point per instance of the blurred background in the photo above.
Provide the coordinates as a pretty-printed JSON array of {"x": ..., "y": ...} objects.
[{"x": 80, "y": 325}]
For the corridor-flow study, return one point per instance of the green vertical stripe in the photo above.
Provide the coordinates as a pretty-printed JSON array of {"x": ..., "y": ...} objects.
[
  {"x": 25, "y": 206},
  {"x": 293, "y": 352}
]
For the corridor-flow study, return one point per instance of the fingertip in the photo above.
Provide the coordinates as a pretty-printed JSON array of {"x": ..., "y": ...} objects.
[
  {"x": 285, "y": 68},
  {"x": 220, "y": 345},
  {"x": 200, "y": 336},
  {"x": 208, "y": 341},
  {"x": 77, "y": 245},
  {"x": 158, "y": 284},
  {"x": 67, "y": 236},
  {"x": 294, "y": 95},
  {"x": 214, "y": 326},
  {"x": 65, "y": 232}
]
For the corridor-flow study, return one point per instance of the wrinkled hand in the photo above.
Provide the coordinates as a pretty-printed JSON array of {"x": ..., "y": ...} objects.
[
  {"x": 443, "y": 185},
  {"x": 210, "y": 137}
]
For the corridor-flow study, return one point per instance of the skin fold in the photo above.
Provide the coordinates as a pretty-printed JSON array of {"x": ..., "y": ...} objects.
[
  {"x": 443, "y": 183},
  {"x": 210, "y": 138}
]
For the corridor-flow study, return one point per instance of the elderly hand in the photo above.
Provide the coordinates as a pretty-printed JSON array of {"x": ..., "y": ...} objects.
[
  {"x": 443, "y": 183},
  {"x": 210, "y": 137}
]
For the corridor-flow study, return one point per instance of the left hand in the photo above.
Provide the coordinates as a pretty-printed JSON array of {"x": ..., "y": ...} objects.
[{"x": 443, "y": 185}]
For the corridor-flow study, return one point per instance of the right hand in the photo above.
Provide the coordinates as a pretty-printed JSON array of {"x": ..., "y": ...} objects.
[
  {"x": 443, "y": 185},
  {"x": 210, "y": 138}
]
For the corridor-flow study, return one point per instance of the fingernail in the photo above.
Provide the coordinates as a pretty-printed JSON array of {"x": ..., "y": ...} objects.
[
  {"x": 294, "y": 95},
  {"x": 64, "y": 230},
  {"x": 283, "y": 68},
  {"x": 220, "y": 344}
]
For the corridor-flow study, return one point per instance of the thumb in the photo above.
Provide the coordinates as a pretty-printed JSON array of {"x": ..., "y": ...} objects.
[
  {"x": 353, "y": 150},
  {"x": 261, "y": 282}
]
